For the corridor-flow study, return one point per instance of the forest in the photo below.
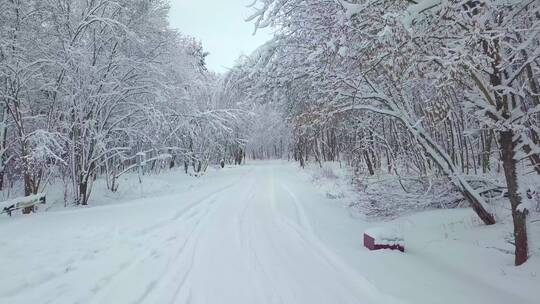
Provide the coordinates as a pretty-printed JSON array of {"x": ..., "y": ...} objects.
[
  {"x": 423, "y": 90},
  {"x": 90, "y": 89},
  {"x": 437, "y": 102}
]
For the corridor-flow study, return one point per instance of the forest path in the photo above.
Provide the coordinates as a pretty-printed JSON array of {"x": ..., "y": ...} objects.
[
  {"x": 259, "y": 233},
  {"x": 244, "y": 237}
]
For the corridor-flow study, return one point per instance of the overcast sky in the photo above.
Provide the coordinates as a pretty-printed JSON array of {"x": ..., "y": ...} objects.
[{"x": 220, "y": 25}]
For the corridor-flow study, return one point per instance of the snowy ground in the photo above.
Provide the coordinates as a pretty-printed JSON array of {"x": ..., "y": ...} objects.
[{"x": 260, "y": 233}]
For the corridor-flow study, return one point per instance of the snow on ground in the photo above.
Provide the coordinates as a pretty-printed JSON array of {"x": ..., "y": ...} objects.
[
  {"x": 451, "y": 257},
  {"x": 259, "y": 233},
  {"x": 235, "y": 237}
]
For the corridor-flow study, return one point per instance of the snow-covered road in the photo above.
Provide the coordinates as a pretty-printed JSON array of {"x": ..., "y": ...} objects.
[
  {"x": 243, "y": 237},
  {"x": 260, "y": 233}
]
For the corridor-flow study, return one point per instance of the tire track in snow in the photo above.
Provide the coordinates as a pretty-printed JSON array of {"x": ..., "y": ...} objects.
[
  {"x": 181, "y": 277},
  {"x": 182, "y": 217},
  {"x": 260, "y": 245},
  {"x": 179, "y": 213},
  {"x": 53, "y": 278},
  {"x": 246, "y": 234},
  {"x": 344, "y": 273},
  {"x": 192, "y": 236},
  {"x": 183, "y": 280},
  {"x": 302, "y": 231},
  {"x": 121, "y": 277},
  {"x": 303, "y": 219}
]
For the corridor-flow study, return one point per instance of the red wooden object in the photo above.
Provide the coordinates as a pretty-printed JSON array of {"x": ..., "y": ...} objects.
[{"x": 370, "y": 243}]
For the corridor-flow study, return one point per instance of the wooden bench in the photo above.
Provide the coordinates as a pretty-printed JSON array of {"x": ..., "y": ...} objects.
[{"x": 28, "y": 204}]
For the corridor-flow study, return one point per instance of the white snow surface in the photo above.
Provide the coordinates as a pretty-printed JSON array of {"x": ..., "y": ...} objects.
[
  {"x": 260, "y": 233},
  {"x": 385, "y": 235},
  {"x": 242, "y": 237}
]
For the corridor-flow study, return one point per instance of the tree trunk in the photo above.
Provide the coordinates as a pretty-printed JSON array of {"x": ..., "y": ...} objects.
[
  {"x": 369, "y": 163},
  {"x": 300, "y": 156},
  {"x": 3, "y": 140},
  {"x": 172, "y": 163},
  {"x": 83, "y": 187},
  {"x": 28, "y": 190},
  {"x": 442, "y": 159},
  {"x": 519, "y": 215}
]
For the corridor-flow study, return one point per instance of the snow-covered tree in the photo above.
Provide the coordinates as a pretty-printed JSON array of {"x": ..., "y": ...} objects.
[
  {"x": 87, "y": 87},
  {"x": 442, "y": 86}
]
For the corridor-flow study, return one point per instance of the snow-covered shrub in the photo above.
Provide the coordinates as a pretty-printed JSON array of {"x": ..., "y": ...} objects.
[
  {"x": 325, "y": 172},
  {"x": 390, "y": 197},
  {"x": 329, "y": 179}
]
